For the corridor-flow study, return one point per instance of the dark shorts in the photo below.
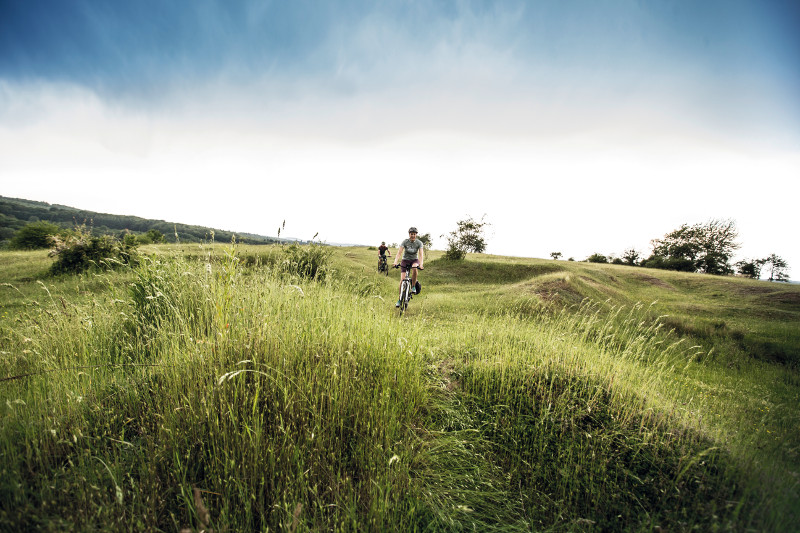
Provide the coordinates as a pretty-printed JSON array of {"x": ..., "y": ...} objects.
[{"x": 406, "y": 264}]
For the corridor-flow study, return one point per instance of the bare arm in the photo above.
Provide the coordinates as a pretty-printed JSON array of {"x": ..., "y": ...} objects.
[{"x": 399, "y": 254}]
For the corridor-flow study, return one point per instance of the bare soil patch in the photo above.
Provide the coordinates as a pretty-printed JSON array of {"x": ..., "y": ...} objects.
[
  {"x": 755, "y": 289},
  {"x": 791, "y": 298},
  {"x": 654, "y": 281},
  {"x": 449, "y": 377}
]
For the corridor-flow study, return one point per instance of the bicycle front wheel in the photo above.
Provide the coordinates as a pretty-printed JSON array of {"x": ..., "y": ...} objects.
[{"x": 404, "y": 298}]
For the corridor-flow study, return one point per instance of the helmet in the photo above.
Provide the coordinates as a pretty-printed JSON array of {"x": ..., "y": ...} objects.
[
  {"x": 412, "y": 229},
  {"x": 383, "y": 243}
]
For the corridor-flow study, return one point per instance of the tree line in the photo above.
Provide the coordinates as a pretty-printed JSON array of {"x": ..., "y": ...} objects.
[
  {"x": 704, "y": 247},
  {"x": 15, "y": 214}
]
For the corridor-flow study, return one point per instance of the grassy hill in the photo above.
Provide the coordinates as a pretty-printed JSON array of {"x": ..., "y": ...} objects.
[
  {"x": 224, "y": 389},
  {"x": 16, "y": 213}
]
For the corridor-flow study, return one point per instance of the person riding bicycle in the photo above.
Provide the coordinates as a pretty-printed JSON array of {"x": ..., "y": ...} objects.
[
  {"x": 382, "y": 249},
  {"x": 409, "y": 249}
]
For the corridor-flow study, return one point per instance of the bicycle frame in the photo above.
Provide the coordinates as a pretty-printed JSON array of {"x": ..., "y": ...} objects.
[
  {"x": 383, "y": 264},
  {"x": 405, "y": 291}
]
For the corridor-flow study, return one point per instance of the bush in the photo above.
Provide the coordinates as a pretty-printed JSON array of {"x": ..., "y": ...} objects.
[
  {"x": 34, "y": 236},
  {"x": 83, "y": 252},
  {"x": 669, "y": 263},
  {"x": 153, "y": 236},
  {"x": 454, "y": 253},
  {"x": 597, "y": 258}
]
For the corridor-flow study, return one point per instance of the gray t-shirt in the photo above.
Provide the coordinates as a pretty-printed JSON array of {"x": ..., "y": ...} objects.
[{"x": 411, "y": 248}]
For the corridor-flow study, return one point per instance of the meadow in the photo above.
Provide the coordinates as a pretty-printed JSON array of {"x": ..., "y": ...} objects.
[{"x": 235, "y": 388}]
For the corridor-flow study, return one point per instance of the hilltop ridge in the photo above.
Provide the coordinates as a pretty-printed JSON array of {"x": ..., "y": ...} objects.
[{"x": 16, "y": 212}]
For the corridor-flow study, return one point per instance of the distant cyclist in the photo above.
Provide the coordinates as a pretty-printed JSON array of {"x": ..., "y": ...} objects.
[
  {"x": 412, "y": 252},
  {"x": 382, "y": 249}
]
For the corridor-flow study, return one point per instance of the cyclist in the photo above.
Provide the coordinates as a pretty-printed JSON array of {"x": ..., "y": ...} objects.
[
  {"x": 382, "y": 254},
  {"x": 410, "y": 249}
]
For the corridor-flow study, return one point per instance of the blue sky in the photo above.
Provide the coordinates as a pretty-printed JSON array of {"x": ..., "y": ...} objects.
[{"x": 575, "y": 126}]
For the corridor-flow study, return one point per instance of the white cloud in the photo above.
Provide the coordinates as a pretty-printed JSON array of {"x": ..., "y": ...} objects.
[{"x": 553, "y": 172}]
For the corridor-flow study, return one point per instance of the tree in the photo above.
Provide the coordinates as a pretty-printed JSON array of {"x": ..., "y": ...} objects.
[
  {"x": 556, "y": 255},
  {"x": 750, "y": 268},
  {"x": 630, "y": 257},
  {"x": 699, "y": 248},
  {"x": 467, "y": 237},
  {"x": 35, "y": 235},
  {"x": 426, "y": 241},
  {"x": 778, "y": 268},
  {"x": 597, "y": 258}
]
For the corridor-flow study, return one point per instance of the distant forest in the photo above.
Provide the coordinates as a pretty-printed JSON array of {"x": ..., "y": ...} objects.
[{"x": 16, "y": 213}]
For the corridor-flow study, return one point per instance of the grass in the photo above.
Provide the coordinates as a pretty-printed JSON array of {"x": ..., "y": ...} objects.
[{"x": 228, "y": 388}]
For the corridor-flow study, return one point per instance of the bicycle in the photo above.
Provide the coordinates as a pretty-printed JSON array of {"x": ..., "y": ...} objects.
[
  {"x": 383, "y": 265},
  {"x": 405, "y": 290}
]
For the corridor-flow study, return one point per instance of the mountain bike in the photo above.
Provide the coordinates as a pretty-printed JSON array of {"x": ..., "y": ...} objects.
[
  {"x": 406, "y": 291},
  {"x": 383, "y": 265}
]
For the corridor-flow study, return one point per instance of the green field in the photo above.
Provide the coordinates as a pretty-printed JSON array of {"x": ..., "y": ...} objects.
[{"x": 219, "y": 387}]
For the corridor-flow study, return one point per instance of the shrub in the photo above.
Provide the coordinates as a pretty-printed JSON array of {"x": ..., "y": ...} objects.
[
  {"x": 34, "y": 236},
  {"x": 153, "y": 236},
  {"x": 597, "y": 258},
  {"x": 454, "y": 253},
  {"x": 82, "y": 252},
  {"x": 669, "y": 263}
]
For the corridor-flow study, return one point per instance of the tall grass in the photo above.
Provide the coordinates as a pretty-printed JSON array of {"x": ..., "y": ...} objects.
[
  {"x": 563, "y": 415},
  {"x": 244, "y": 392},
  {"x": 266, "y": 395}
]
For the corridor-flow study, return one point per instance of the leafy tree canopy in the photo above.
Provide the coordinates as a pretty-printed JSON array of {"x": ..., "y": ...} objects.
[
  {"x": 750, "y": 268},
  {"x": 427, "y": 242},
  {"x": 698, "y": 248},
  {"x": 467, "y": 237},
  {"x": 630, "y": 257},
  {"x": 778, "y": 268}
]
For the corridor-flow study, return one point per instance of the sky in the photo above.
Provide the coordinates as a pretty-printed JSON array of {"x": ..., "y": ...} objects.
[{"x": 572, "y": 126}]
